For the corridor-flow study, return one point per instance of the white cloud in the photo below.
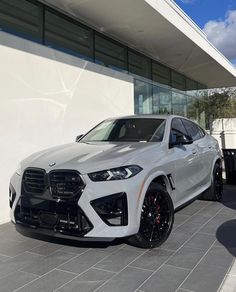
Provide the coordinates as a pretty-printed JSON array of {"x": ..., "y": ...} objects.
[
  {"x": 187, "y": 1},
  {"x": 222, "y": 33}
]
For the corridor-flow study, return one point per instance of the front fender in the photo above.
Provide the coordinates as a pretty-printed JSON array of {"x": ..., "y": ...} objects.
[{"x": 145, "y": 185}]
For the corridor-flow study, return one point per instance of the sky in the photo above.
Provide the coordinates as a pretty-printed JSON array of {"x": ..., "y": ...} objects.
[{"x": 217, "y": 18}]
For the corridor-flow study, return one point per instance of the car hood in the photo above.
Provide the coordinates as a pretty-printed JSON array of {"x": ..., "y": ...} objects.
[{"x": 88, "y": 157}]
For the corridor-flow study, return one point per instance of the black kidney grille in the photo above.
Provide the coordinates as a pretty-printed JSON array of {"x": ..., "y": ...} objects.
[
  {"x": 65, "y": 184},
  {"x": 34, "y": 181}
]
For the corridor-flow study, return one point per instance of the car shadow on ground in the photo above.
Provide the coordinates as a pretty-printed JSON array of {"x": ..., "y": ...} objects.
[
  {"x": 69, "y": 242},
  {"x": 226, "y": 232}
]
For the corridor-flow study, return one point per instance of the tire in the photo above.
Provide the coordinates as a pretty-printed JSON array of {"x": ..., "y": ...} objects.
[
  {"x": 215, "y": 192},
  {"x": 157, "y": 218}
]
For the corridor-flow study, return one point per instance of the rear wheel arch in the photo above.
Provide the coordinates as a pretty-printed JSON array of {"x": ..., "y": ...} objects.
[
  {"x": 215, "y": 191},
  {"x": 219, "y": 161}
]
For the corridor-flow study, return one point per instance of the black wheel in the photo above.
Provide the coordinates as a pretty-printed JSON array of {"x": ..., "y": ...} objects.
[
  {"x": 215, "y": 192},
  {"x": 157, "y": 218}
]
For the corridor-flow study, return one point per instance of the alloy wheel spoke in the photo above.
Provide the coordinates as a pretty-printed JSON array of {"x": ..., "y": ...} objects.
[{"x": 155, "y": 217}]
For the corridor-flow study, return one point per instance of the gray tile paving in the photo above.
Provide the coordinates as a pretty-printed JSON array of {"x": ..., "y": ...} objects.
[
  {"x": 211, "y": 209},
  {"x": 74, "y": 249},
  {"x": 180, "y": 219},
  {"x": 88, "y": 281},
  {"x": 183, "y": 290},
  {"x": 218, "y": 257},
  {"x": 187, "y": 228},
  {"x": 46, "y": 249},
  {"x": 200, "y": 219},
  {"x": 44, "y": 265},
  {"x": 48, "y": 282},
  {"x": 11, "y": 235},
  {"x": 13, "y": 248},
  {"x": 201, "y": 241},
  {"x": 205, "y": 278},
  {"x": 83, "y": 262},
  {"x": 127, "y": 280},
  {"x": 195, "y": 258},
  {"x": 118, "y": 260},
  {"x": 191, "y": 209},
  {"x": 167, "y": 279},
  {"x": 21, "y": 261},
  {"x": 152, "y": 259},
  {"x": 212, "y": 226},
  {"x": 175, "y": 240},
  {"x": 186, "y": 257},
  {"x": 15, "y": 281}
]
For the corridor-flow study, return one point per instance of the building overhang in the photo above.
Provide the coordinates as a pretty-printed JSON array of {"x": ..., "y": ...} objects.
[{"x": 159, "y": 29}]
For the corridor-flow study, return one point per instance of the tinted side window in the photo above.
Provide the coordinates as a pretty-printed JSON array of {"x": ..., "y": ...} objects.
[
  {"x": 202, "y": 132},
  {"x": 109, "y": 53},
  {"x": 177, "y": 128},
  {"x": 22, "y": 17},
  {"x": 193, "y": 130},
  {"x": 159, "y": 134},
  {"x": 65, "y": 33}
]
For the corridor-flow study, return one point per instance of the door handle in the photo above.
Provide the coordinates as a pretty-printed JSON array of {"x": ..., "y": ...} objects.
[{"x": 194, "y": 151}]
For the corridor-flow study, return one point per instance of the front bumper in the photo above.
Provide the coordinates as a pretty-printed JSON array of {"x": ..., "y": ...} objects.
[{"x": 40, "y": 214}]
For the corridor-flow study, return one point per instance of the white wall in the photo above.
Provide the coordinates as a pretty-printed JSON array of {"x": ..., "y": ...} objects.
[
  {"x": 47, "y": 98},
  {"x": 224, "y": 130}
]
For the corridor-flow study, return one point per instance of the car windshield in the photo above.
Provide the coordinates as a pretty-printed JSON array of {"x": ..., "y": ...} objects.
[{"x": 127, "y": 130}]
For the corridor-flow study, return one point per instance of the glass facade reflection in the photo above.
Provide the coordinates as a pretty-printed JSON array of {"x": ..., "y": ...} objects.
[{"x": 153, "y": 98}]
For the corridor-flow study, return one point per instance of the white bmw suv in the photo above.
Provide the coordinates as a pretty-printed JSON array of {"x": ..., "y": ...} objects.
[{"x": 124, "y": 178}]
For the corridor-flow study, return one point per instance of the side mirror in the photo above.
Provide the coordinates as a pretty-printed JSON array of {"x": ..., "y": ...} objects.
[
  {"x": 78, "y": 138},
  {"x": 180, "y": 139}
]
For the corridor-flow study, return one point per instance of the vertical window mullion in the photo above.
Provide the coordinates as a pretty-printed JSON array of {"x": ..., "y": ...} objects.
[
  {"x": 126, "y": 59},
  {"x": 92, "y": 45},
  {"x": 42, "y": 23}
]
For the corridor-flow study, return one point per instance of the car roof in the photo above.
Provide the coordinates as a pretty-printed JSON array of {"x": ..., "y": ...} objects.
[{"x": 147, "y": 116}]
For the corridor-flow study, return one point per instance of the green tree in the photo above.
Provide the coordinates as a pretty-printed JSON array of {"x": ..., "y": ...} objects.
[{"x": 215, "y": 104}]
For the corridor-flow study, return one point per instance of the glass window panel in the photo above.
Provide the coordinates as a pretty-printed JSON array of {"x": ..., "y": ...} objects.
[
  {"x": 161, "y": 74},
  {"x": 165, "y": 100},
  {"x": 139, "y": 65},
  {"x": 178, "y": 97},
  {"x": 178, "y": 80},
  {"x": 142, "y": 97},
  {"x": 191, "y": 84},
  {"x": 179, "y": 110},
  {"x": 178, "y": 126},
  {"x": 63, "y": 33},
  {"x": 179, "y": 103},
  {"x": 23, "y": 17},
  {"x": 193, "y": 130},
  {"x": 195, "y": 111},
  {"x": 201, "y": 86},
  {"x": 110, "y": 53},
  {"x": 156, "y": 100}
]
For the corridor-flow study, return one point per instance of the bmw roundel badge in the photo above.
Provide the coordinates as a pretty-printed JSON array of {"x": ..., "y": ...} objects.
[{"x": 52, "y": 164}]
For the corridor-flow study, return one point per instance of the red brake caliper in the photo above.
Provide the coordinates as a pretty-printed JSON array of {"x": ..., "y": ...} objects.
[{"x": 158, "y": 221}]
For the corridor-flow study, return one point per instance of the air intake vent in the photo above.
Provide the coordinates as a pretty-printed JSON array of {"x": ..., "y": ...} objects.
[
  {"x": 65, "y": 183},
  {"x": 34, "y": 180}
]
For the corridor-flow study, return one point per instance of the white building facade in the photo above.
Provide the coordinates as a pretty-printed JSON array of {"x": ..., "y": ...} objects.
[{"x": 68, "y": 64}]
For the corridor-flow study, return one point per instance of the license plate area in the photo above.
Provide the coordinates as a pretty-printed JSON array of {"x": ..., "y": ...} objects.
[{"x": 64, "y": 217}]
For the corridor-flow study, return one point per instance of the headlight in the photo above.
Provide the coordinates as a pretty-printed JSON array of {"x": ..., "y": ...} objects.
[
  {"x": 119, "y": 173},
  {"x": 19, "y": 170}
]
